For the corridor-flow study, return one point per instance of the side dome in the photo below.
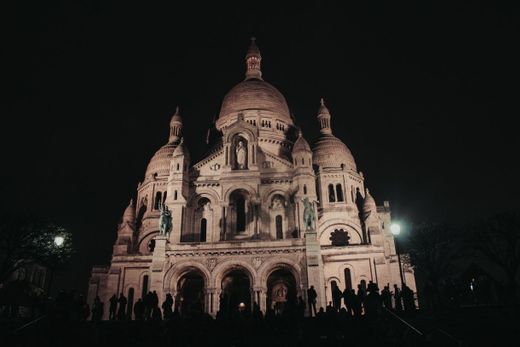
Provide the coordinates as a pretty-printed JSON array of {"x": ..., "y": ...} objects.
[
  {"x": 254, "y": 94},
  {"x": 301, "y": 145},
  {"x": 329, "y": 151},
  {"x": 160, "y": 162}
]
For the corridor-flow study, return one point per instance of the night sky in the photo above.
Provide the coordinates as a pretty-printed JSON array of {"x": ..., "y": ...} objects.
[{"x": 425, "y": 96}]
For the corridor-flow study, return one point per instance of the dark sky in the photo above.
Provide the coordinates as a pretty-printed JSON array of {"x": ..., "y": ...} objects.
[{"x": 425, "y": 96}]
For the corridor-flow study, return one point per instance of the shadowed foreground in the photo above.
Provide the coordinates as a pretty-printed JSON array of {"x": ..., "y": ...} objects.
[{"x": 463, "y": 327}]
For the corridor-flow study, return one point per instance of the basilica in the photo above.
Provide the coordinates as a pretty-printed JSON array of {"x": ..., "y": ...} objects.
[{"x": 262, "y": 217}]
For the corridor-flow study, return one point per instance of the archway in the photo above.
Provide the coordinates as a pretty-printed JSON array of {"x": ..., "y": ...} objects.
[
  {"x": 281, "y": 291},
  {"x": 240, "y": 212},
  {"x": 190, "y": 297},
  {"x": 236, "y": 290}
]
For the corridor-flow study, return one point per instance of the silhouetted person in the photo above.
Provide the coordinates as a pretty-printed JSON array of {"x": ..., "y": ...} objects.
[
  {"x": 347, "y": 301},
  {"x": 156, "y": 313},
  {"x": 373, "y": 303},
  {"x": 336, "y": 297},
  {"x": 167, "y": 306},
  {"x": 139, "y": 310},
  {"x": 112, "y": 308},
  {"x": 321, "y": 313},
  {"x": 398, "y": 302},
  {"x": 122, "y": 307},
  {"x": 311, "y": 299},
  {"x": 408, "y": 299},
  {"x": 330, "y": 310},
  {"x": 97, "y": 309},
  {"x": 386, "y": 297},
  {"x": 361, "y": 293},
  {"x": 356, "y": 303},
  {"x": 301, "y": 307}
]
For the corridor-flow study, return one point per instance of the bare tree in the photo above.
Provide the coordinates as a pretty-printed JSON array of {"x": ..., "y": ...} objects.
[
  {"x": 497, "y": 240},
  {"x": 433, "y": 251},
  {"x": 25, "y": 241}
]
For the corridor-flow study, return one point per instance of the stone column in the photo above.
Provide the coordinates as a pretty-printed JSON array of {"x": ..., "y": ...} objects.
[
  {"x": 223, "y": 223},
  {"x": 158, "y": 262},
  {"x": 315, "y": 275},
  {"x": 261, "y": 296}
]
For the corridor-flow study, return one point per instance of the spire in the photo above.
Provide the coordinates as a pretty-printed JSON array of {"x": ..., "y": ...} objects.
[
  {"x": 175, "y": 127},
  {"x": 301, "y": 144},
  {"x": 324, "y": 119},
  {"x": 253, "y": 60},
  {"x": 129, "y": 214}
]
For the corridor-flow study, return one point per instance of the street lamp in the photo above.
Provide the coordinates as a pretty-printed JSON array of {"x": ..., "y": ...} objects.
[
  {"x": 396, "y": 230},
  {"x": 58, "y": 241}
]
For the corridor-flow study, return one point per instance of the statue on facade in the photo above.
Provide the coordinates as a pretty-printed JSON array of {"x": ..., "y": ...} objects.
[
  {"x": 241, "y": 153},
  {"x": 308, "y": 214},
  {"x": 165, "y": 220}
]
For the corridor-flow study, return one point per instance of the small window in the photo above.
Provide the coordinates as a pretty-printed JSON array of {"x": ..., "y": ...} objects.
[
  {"x": 203, "y": 227},
  {"x": 279, "y": 227},
  {"x": 158, "y": 200},
  {"x": 175, "y": 195},
  {"x": 332, "y": 197},
  {"x": 339, "y": 192},
  {"x": 178, "y": 166},
  {"x": 305, "y": 189},
  {"x": 303, "y": 161}
]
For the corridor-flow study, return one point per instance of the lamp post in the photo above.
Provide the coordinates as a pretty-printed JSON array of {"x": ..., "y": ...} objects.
[
  {"x": 396, "y": 230},
  {"x": 58, "y": 242}
]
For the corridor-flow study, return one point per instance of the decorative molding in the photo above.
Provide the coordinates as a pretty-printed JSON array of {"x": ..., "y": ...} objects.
[
  {"x": 257, "y": 261},
  {"x": 232, "y": 252},
  {"x": 211, "y": 263}
]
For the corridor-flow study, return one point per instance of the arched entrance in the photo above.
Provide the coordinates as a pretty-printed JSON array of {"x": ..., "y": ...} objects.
[
  {"x": 236, "y": 290},
  {"x": 190, "y": 297},
  {"x": 240, "y": 213},
  {"x": 281, "y": 291}
]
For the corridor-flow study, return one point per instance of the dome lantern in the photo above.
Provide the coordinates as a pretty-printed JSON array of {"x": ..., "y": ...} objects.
[
  {"x": 175, "y": 127},
  {"x": 253, "y": 61},
  {"x": 324, "y": 119}
]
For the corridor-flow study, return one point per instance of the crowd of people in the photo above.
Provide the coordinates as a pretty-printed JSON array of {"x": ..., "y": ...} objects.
[{"x": 368, "y": 300}]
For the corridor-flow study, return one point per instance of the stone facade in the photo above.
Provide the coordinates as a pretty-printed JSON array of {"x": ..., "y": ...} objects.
[{"x": 238, "y": 230}]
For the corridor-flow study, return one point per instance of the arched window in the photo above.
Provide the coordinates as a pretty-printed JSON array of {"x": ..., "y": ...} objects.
[
  {"x": 279, "y": 227},
  {"x": 130, "y": 304},
  {"x": 305, "y": 189},
  {"x": 339, "y": 192},
  {"x": 303, "y": 161},
  {"x": 348, "y": 279},
  {"x": 203, "y": 227},
  {"x": 332, "y": 198},
  {"x": 241, "y": 214},
  {"x": 144, "y": 287},
  {"x": 175, "y": 195},
  {"x": 333, "y": 286},
  {"x": 158, "y": 200}
]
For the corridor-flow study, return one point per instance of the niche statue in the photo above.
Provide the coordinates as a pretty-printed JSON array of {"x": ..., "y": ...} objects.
[
  {"x": 241, "y": 154},
  {"x": 308, "y": 214},
  {"x": 165, "y": 220}
]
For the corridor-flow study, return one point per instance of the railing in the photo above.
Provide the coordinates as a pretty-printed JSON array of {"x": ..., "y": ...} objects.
[
  {"x": 434, "y": 337},
  {"x": 29, "y": 324}
]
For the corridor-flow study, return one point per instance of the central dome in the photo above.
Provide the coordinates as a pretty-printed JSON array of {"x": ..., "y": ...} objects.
[{"x": 254, "y": 94}]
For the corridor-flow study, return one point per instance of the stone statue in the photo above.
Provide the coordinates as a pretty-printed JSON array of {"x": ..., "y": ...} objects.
[
  {"x": 308, "y": 214},
  {"x": 165, "y": 220},
  {"x": 241, "y": 152}
]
